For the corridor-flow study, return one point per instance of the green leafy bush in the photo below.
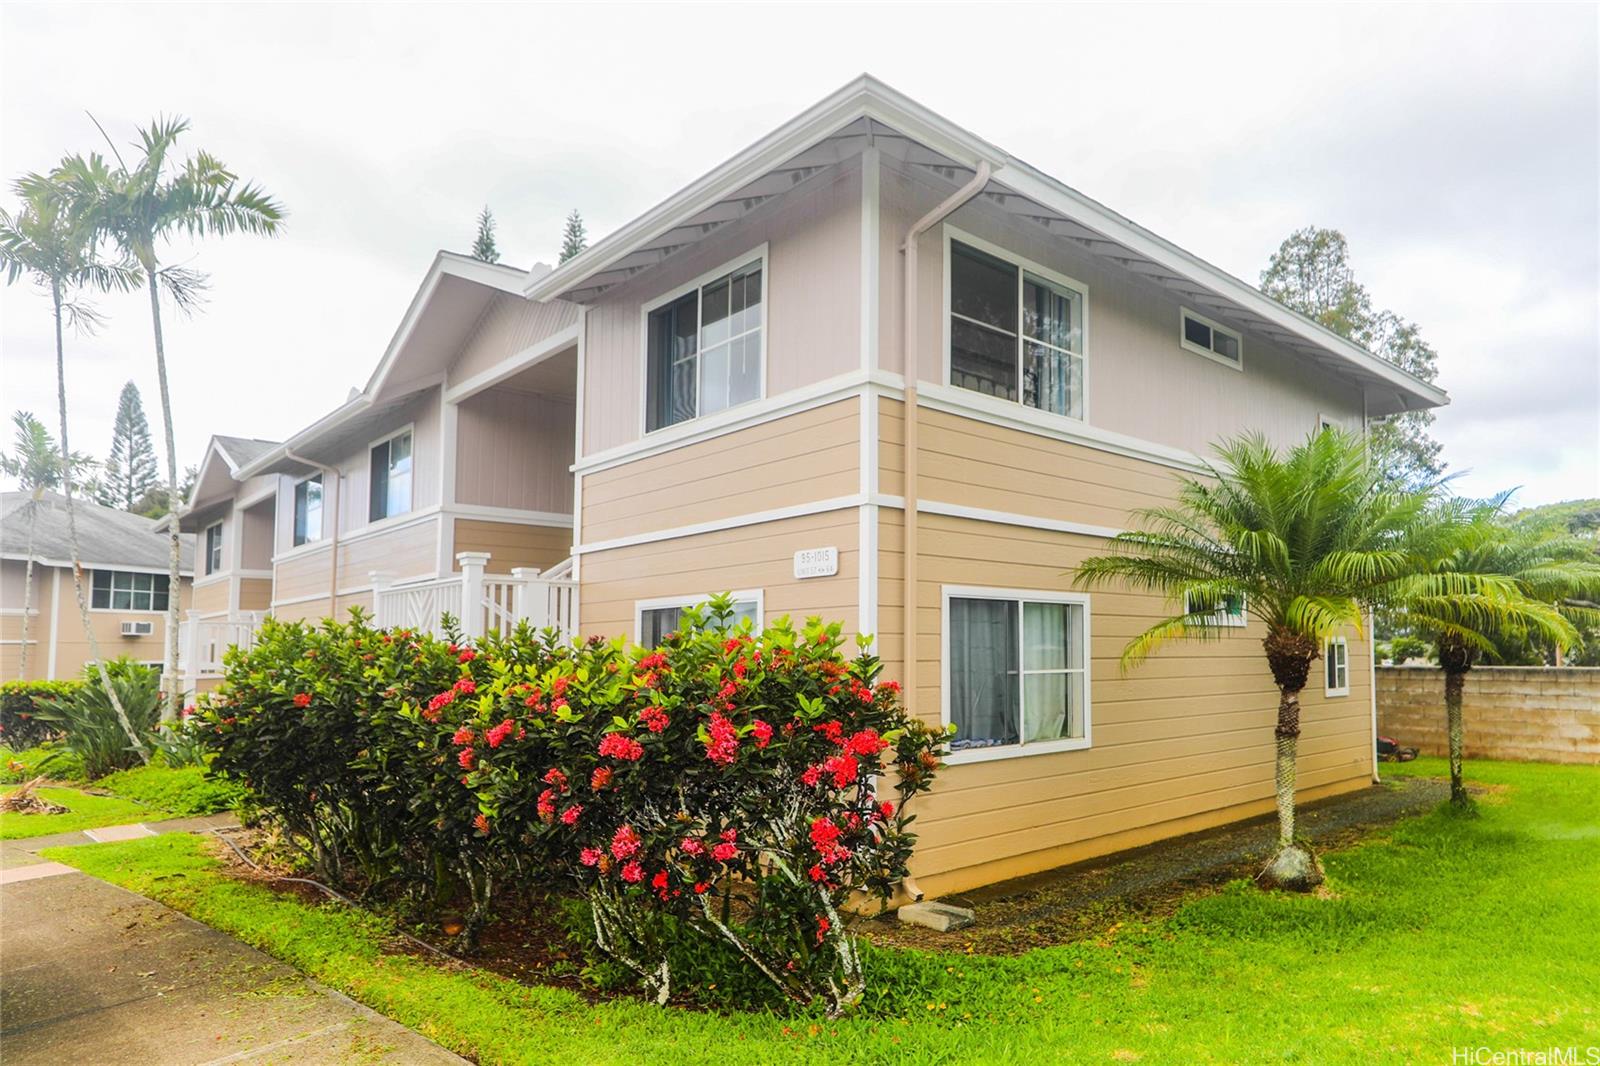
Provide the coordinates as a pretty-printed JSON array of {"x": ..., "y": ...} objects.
[
  {"x": 20, "y": 724},
  {"x": 89, "y": 724}
]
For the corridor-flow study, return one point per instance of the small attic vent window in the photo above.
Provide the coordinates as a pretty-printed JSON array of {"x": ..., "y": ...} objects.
[{"x": 1213, "y": 340}]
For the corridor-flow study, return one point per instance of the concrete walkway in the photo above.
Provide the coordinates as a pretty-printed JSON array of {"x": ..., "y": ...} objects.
[{"x": 93, "y": 974}]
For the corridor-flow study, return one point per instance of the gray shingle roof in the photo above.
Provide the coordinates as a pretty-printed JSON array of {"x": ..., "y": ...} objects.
[
  {"x": 242, "y": 450},
  {"x": 106, "y": 537}
]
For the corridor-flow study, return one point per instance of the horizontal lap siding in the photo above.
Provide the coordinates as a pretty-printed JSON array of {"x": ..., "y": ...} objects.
[
  {"x": 1185, "y": 736},
  {"x": 211, "y": 597},
  {"x": 403, "y": 553},
  {"x": 511, "y": 544},
  {"x": 255, "y": 594},
  {"x": 809, "y": 456},
  {"x": 757, "y": 556}
]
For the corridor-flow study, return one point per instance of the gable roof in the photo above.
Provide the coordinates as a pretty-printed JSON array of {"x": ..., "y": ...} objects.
[
  {"x": 107, "y": 538},
  {"x": 220, "y": 469},
  {"x": 866, "y": 111}
]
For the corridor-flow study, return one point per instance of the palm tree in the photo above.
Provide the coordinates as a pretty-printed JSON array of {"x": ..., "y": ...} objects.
[
  {"x": 1302, "y": 542},
  {"x": 1536, "y": 587},
  {"x": 42, "y": 242},
  {"x": 141, "y": 208},
  {"x": 36, "y": 466}
]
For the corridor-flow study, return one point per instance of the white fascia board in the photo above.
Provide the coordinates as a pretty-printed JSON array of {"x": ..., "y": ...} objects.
[{"x": 332, "y": 420}]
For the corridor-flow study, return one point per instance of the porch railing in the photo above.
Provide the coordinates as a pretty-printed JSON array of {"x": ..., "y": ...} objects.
[
  {"x": 483, "y": 603},
  {"x": 203, "y": 638}
]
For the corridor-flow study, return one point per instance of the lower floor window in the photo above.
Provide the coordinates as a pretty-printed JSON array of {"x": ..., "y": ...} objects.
[
  {"x": 1018, "y": 670},
  {"x": 659, "y": 620},
  {"x": 120, "y": 590}
]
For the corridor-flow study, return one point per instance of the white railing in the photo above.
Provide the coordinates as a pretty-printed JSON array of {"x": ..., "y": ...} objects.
[
  {"x": 481, "y": 603},
  {"x": 202, "y": 640}
]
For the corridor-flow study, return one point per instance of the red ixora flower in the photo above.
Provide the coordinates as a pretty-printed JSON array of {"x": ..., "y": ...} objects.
[
  {"x": 600, "y": 778},
  {"x": 653, "y": 661},
  {"x": 824, "y": 834},
  {"x": 632, "y": 872},
  {"x": 302, "y": 699},
  {"x": 554, "y": 776},
  {"x": 547, "y": 804},
  {"x": 466, "y": 684},
  {"x": 467, "y": 758},
  {"x": 589, "y": 856},
  {"x": 467, "y": 655},
  {"x": 654, "y": 719},
  {"x": 462, "y": 736},
  {"x": 723, "y": 744},
  {"x": 624, "y": 842},
  {"x": 823, "y": 925},
  {"x": 691, "y": 846},
  {"x": 571, "y": 815},
  {"x": 763, "y": 733},
  {"x": 498, "y": 734},
  {"x": 867, "y": 742},
  {"x": 724, "y": 851},
  {"x": 481, "y": 822},
  {"x": 620, "y": 747}
]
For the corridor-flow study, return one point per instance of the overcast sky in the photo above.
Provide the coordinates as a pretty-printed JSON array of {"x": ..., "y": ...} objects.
[{"x": 1456, "y": 147}]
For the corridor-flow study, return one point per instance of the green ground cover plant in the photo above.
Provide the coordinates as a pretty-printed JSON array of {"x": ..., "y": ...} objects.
[{"x": 1441, "y": 931}]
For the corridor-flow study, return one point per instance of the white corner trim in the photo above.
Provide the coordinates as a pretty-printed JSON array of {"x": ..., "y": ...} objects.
[{"x": 871, "y": 240}]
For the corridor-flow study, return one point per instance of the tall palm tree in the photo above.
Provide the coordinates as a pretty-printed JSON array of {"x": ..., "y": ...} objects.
[
  {"x": 1302, "y": 541},
  {"x": 140, "y": 208},
  {"x": 42, "y": 242},
  {"x": 1553, "y": 580},
  {"x": 36, "y": 467}
]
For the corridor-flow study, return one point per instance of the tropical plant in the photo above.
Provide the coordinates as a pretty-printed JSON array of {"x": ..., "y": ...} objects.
[
  {"x": 36, "y": 467},
  {"x": 43, "y": 242},
  {"x": 91, "y": 725},
  {"x": 1524, "y": 585},
  {"x": 130, "y": 469},
  {"x": 140, "y": 208},
  {"x": 483, "y": 246},
  {"x": 1306, "y": 539}
]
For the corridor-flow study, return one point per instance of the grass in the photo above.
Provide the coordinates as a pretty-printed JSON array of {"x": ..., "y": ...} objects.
[
  {"x": 1441, "y": 932},
  {"x": 145, "y": 794},
  {"x": 178, "y": 790},
  {"x": 84, "y": 811}
]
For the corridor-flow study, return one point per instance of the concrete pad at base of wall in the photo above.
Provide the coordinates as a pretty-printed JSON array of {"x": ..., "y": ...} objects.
[{"x": 940, "y": 917}]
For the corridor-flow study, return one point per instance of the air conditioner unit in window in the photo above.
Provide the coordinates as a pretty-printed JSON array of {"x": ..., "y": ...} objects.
[{"x": 138, "y": 629}]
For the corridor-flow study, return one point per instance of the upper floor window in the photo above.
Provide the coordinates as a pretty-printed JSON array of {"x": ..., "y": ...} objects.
[
  {"x": 1213, "y": 340},
  {"x": 658, "y": 619},
  {"x": 704, "y": 347},
  {"x": 389, "y": 491},
  {"x": 1016, "y": 332},
  {"x": 214, "y": 547},
  {"x": 1017, "y": 670},
  {"x": 308, "y": 510},
  {"x": 120, "y": 590},
  {"x": 1337, "y": 677}
]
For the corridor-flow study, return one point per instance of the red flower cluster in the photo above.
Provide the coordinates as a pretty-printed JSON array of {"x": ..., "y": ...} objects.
[
  {"x": 554, "y": 776},
  {"x": 763, "y": 733},
  {"x": 724, "y": 852},
  {"x": 467, "y": 758},
  {"x": 633, "y": 872},
  {"x": 823, "y": 925},
  {"x": 691, "y": 846},
  {"x": 723, "y": 744},
  {"x": 624, "y": 842},
  {"x": 462, "y": 736},
  {"x": 438, "y": 704},
  {"x": 466, "y": 684},
  {"x": 620, "y": 747},
  {"x": 589, "y": 856},
  {"x": 571, "y": 815},
  {"x": 481, "y": 823},
  {"x": 654, "y": 661},
  {"x": 600, "y": 778},
  {"x": 302, "y": 699},
  {"x": 655, "y": 719},
  {"x": 498, "y": 734},
  {"x": 467, "y": 655},
  {"x": 867, "y": 742},
  {"x": 547, "y": 804}
]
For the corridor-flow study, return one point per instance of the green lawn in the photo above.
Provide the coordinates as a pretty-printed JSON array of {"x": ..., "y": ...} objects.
[
  {"x": 83, "y": 812},
  {"x": 1440, "y": 932}
]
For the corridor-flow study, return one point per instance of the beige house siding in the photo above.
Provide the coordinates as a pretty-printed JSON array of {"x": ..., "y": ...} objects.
[
  {"x": 805, "y": 457},
  {"x": 509, "y": 325},
  {"x": 1141, "y": 382},
  {"x": 353, "y": 461},
  {"x": 511, "y": 544},
  {"x": 408, "y": 549},
  {"x": 812, "y": 292},
  {"x": 71, "y": 648},
  {"x": 514, "y": 449},
  {"x": 211, "y": 596},
  {"x": 255, "y": 594},
  {"x": 757, "y": 556}
]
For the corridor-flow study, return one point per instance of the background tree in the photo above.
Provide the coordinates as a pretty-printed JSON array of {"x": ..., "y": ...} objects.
[
  {"x": 43, "y": 242},
  {"x": 140, "y": 209},
  {"x": 1304, "y": 540},
  {"x": 483, "y": 246},
  {"x": 1522, "y": 586},
  {"x": 574, "y": 238},
  {"x": 158, "y": 501},
  {"x": 1311, "y": 273},
  {"x": 36, "y": 468},
  {"x": 130, "y": 470}
]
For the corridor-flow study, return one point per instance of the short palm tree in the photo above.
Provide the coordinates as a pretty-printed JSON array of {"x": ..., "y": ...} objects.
[
  {"x": 140, "y": 208},
  {"x": 42, "y": 242},
  {"x": 36, "y": 467},
  {"x": 1527, "y": 585},
  {"x": 1302, "y": 541}
]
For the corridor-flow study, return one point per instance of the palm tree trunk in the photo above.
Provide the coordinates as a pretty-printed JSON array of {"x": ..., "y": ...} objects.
[
  {"x": 1287, "y": 736},
  {"x": 1290, "y": 656},
  {"x": 174, "y": 694},
  {"x": 72, "y": 538},
  {"x": 1454, "y": 683},
  {"x": 27, "y": 590}
]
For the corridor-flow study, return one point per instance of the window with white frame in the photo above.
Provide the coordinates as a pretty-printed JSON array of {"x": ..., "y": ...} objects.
[
  {"x": 213, "y": 547},
  {"x": 1017, "y": 677},
  {"x": 1337, "y": 666},
  {"x": 704, "y": 346},
  {"x": 389, "y": 492},
  {"x": 122, "y": 590},
  {"x": 1225, "y": 610},
  {"x": 308, "y": 510},
  {"x": 1015, "y": 333},
  {"x": 1209, "y": 338},
  {"x": 658, "y": 619}
]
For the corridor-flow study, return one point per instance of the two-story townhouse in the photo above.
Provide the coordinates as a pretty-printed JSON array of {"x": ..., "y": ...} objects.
[
  {"x": 876, "y": 369},
  {"x": 457, "y": 451}
]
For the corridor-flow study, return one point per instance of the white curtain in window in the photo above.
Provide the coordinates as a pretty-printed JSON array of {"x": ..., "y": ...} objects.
[{"x": 984, "y": 661}]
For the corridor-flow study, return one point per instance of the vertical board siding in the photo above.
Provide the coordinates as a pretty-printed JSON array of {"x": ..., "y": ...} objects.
[
  {"x": 514, "y": 449},
  {"x": 507, "y": 326},
  {"x": 812, "y": 293}
]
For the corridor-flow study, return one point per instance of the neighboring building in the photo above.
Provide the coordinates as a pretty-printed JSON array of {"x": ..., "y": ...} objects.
[
  {"x": 125, "y": 560},
  {"x": 739, "y": 390}
]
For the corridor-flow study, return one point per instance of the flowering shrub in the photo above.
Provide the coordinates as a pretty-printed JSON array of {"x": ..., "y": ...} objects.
[
  {"x": 20, "y": 725},
  {"x": 733, "y": 786}
]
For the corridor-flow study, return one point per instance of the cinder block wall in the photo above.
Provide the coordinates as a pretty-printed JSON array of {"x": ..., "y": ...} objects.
[{"x": 1526, "y": 713}]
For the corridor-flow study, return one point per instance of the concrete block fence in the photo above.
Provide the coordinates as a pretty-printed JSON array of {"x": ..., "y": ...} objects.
[{"x": 1524, "y": 713}]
